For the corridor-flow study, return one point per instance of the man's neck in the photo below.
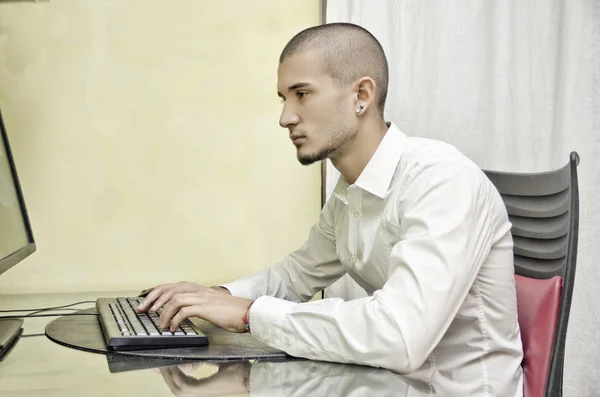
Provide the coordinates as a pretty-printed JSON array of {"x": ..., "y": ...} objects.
[{"x": 360, "y": 150}]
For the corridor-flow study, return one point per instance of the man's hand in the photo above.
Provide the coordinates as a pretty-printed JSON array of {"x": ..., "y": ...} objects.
[
  {"x": 231, "y": 379},
  {"x": 182, "y": 300}
]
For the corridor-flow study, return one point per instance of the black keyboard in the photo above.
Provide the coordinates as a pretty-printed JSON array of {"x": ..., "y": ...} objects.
[{"x": 126, "y": 329}]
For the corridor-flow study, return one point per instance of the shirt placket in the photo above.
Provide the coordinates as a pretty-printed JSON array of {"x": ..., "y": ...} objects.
[{"x": 354, "y": 216}]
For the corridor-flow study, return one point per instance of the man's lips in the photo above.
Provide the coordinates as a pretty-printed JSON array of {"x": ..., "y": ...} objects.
[{"x": 297, "y": 138}]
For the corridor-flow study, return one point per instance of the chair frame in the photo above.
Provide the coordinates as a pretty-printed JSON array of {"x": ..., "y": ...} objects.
[
  {"x": 554, "y": 385},
  {"x": 554, "y": 378}
]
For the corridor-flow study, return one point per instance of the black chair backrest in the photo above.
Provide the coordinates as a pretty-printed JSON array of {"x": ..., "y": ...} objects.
[
  {"x": 544, "y": 211},
  {"x": 542, "y": 208}
]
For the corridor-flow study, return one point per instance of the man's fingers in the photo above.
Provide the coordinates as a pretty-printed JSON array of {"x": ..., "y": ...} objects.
[
  {"x": 152, "y": 296},
  {"x": 177, "y": 304},
  {"x": 179, "y": 288},
  {"x": 168, "y": 377},
  {"x": 181, "y": 315},
  {"x": 163, "y": 299},
  {"x": 184, "y": 382},
  {"x": 189, "y": 368},
  {"x": 166, "y": 295},
  {"x": 161, "y": 294}
]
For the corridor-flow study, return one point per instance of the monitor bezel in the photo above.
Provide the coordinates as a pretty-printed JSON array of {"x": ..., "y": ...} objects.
[{"x": 22, "y": 253}]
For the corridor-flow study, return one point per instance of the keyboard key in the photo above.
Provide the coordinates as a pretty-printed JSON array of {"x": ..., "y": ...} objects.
[
  {"x": 119, "y": 319},
  {"x": 131, "y": 316},
  {"x": 150, "y": 327},
  {"x": 188, "y": 330},
  {"x": 133, "y": 302}
]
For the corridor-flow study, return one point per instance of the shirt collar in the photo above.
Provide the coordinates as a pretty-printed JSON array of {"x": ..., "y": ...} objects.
[{"x": 378, "y": 174}]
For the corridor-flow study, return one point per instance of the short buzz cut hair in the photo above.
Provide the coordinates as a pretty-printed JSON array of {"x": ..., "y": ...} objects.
[{"x": 348, "y": 51}]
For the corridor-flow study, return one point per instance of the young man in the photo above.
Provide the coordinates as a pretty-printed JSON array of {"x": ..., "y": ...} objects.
[{"x": 413, "y": 221}]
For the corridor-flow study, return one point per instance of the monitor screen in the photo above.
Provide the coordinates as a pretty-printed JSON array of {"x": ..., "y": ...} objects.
[{"x": 16, "y": 237}]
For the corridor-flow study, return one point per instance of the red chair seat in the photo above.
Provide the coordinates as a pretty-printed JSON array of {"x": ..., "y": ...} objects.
[{"x": 538, "y": 304}]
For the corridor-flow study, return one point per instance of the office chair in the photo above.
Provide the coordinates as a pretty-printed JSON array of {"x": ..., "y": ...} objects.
[{"x": 544, "y": 211}]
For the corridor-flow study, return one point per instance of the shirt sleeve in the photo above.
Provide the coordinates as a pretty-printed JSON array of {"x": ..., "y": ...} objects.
[
  {"x": 447, "y": 225},
  {"x": 309, "y": 269}
]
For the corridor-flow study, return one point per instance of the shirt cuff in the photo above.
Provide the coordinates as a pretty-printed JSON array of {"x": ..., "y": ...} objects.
[
  {"x": 266, "y": 319},
  {"x": 239, "y": 289}
]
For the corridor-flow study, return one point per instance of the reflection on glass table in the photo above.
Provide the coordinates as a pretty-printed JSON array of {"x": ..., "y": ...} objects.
[{"x": 263, "y": 378}]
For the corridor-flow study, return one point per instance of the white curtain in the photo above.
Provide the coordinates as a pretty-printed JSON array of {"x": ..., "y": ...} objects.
[{"x": 514, "y": 84}]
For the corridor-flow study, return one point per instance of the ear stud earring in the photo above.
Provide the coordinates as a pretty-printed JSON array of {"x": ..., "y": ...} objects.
[{"x": 360, "y": 108}]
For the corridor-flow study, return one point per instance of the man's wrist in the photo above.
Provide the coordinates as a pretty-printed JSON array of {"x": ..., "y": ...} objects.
[{"x": 246, "y": 318}]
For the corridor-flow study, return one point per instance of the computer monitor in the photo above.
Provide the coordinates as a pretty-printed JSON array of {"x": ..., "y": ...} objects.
[{"x": 16, "y": 236}]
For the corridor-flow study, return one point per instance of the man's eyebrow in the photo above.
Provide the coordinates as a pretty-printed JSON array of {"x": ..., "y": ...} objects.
[
  {"x": 294, "y": 87},
  {"x": 297, "y": 85}
]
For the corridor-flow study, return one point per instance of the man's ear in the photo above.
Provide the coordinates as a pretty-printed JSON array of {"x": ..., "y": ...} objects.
[{"x": 365, "y": 94}]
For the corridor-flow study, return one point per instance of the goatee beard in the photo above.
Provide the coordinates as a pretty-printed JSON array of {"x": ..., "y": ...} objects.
[
  {"x": 319, "y": 156},
  {"x": 336, "y": 147}
]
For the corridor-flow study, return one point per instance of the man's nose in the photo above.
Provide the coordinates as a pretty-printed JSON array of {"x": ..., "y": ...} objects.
[{"x": 288, "y": 117}]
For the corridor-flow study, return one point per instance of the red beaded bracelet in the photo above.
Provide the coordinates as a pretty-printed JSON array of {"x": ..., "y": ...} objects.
[{"x": 246, "y": 318}]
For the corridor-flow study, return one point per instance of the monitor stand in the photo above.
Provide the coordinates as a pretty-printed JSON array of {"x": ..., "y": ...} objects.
[{"x": 10, "y": 332}]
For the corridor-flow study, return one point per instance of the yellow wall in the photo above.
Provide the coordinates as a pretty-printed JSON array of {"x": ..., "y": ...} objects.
[{"x": 147, "y": 140}]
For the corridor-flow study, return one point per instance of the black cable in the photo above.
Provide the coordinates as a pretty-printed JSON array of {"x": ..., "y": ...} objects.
[
  {"x": 30, "y": 335},
  {"x": 51, "y": 315},
  {"x": 51, "y": 310},
  {"x": 45, "y": 308}
]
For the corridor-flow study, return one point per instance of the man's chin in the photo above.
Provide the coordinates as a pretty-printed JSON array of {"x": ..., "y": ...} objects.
[{"x": 308, "y": 159}]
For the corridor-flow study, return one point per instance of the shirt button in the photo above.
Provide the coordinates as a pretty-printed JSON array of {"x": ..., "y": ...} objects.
[
  {"x": 353, "y": 259},
  {"x": 356, "y": 214}
]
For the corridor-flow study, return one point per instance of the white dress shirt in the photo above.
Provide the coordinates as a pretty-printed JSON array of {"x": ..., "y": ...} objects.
[{"x": 427, "y": 236}]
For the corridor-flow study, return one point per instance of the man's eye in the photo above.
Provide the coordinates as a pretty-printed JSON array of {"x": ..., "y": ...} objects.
[{"x": 301, "y": 94}]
